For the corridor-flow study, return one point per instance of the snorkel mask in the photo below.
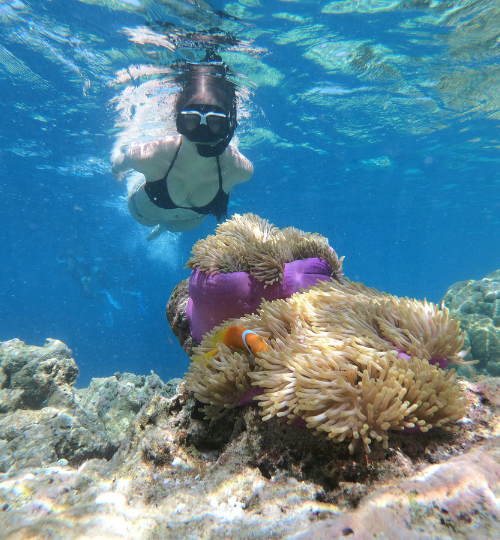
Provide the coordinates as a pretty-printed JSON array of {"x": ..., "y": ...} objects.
[{"x": 210, "y": 127}]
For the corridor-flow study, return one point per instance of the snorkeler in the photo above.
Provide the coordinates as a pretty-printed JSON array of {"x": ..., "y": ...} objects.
[
  {"x": 191, "y": 174},
  {"x": 90, "y": 279}
]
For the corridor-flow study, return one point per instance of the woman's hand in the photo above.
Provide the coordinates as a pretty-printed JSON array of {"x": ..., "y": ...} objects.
[
  {"x": 119, "y": 176},
  {"x": 116, "y": 168}
]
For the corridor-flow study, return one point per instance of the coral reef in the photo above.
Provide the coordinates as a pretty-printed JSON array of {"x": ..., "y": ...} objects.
[
  {"x": 343, "y": 358},
  {"x": 41, "y": 405},
  {"x": 249, "y": 259},
  {"x": 175, "y": 475},
  {"x": 38, "y": 402},
  {"x": 476, "y": 303}
]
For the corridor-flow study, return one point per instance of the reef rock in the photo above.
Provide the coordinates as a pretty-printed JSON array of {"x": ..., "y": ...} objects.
[
  {"x": 41, "y": 421},
  {"x": 423, "y": 507},
  {"x": 30, "y": 376},
  {"x": 116, "y": 400},
  {"x": 176, "y": 316},
  {"x": 37, "y": 438},
  {"x": 477, "y": 305},
  {"x": 46, "y": 419}
]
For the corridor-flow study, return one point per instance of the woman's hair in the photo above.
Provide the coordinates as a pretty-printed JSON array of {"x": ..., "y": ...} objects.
[{"x": 201, "y": 80}]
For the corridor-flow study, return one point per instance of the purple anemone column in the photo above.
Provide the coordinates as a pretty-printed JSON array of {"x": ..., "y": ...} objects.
[{"x": 214, "y": 299}]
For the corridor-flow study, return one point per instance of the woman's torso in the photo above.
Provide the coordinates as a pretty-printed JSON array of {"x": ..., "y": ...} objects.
[{"x": 193, "y": 181}]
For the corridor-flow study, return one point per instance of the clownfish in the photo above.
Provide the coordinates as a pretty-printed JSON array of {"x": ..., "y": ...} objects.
[{"x": 238, "y": 337}]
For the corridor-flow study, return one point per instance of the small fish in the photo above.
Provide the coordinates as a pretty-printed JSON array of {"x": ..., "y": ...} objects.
[{"x": 237, "y": 337}]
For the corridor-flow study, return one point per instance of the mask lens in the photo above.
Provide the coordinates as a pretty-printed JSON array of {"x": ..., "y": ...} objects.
[
  {"x": 190, "y": 121},
  {"x": 217, "y": 124}
]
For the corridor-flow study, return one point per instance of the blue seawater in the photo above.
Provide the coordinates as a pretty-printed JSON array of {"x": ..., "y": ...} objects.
[{"x": 374, "y": 123}]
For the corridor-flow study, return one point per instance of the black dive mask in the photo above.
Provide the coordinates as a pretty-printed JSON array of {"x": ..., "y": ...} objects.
[{"x": 208, "y": 126}]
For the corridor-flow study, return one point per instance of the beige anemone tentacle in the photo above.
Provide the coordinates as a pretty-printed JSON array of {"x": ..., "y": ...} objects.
[{"x": 248, "y": 243}]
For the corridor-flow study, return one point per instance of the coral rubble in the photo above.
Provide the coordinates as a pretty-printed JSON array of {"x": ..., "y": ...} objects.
[{"x": 343, "y": 358}]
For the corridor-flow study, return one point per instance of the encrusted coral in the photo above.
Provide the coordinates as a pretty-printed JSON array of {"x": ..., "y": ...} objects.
[
  {"x": 476, "y": 304},
  {"x": 346, "y": 359},
  {"x": 248, "y": 243}
]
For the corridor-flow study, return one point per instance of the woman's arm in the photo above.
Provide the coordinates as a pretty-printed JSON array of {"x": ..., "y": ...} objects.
[
  {"x": 239, "y": 170},
  {"x": 147, "y": 158},
  {"x": 246, "y": 169}
]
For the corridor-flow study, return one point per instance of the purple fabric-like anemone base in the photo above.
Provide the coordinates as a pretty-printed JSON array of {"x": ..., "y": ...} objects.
[
  {"x": 441, "y": 363},
  {"x": 214, "y": 299}
]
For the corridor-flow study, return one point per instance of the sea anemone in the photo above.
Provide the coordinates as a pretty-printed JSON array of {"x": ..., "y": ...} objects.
[
  {"x": 249, "y": 243},
  {"x": 249, "y": 259},
  {"x": 345, "y": 359}
]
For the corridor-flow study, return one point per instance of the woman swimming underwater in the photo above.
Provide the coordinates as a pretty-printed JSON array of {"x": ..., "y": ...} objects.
[{"x": 191, "y": 174}]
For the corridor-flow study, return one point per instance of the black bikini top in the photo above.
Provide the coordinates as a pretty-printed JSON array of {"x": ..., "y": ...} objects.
[{"x": 157, "y": 192}]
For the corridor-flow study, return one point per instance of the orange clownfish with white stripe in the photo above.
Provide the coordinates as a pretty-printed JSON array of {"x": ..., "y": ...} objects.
[{"x": 238, "y": 337}]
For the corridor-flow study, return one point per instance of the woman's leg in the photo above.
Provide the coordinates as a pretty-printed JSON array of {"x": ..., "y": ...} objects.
[{"x": 175, "y": 226}]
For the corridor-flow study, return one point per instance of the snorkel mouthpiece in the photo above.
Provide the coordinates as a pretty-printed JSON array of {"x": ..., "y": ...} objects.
[{"x": 208, "y": 150}]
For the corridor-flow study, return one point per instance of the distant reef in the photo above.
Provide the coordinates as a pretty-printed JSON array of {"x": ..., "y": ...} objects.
[
  {"x": 477, "y": 304},
  {"x": 132, "y": 457}
]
